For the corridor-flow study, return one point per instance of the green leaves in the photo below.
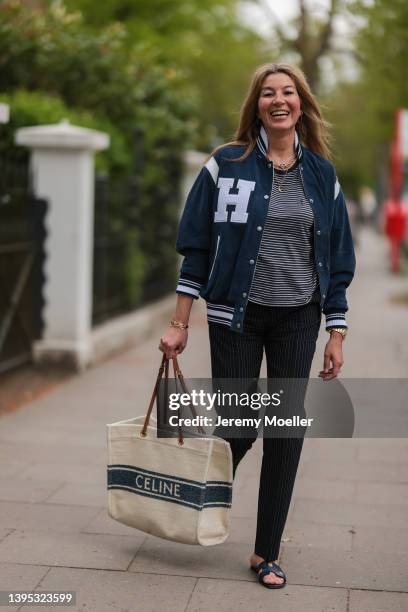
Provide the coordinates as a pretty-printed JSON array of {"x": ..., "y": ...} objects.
[
  {"x": 362, "y": 110},
  {"x": 36, "y": 108},
  {"x": 99, "y": 71}
]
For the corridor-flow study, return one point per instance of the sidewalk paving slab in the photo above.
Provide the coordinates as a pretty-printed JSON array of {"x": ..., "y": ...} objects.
[
  {"x": 377, "y": 541},
  {"x": 76, "y": 494},
  {"x": 164, "y": 557},
  {"x": 17, "y": 577},
  {"x": 333, "y": 450},
  {"x": 368, "y": 471},
  {"x": 382, "y": 493},
  {"x": 70, "y": 550},
  {"x": 311, "y": 488},
  {"x": 66, "y": 452},
  {"x": 4, "y": 533},
  {"x": 109, "y": 591},
  {"x": 234, "y": 596},
  {"x": 334, "y": 537},
  {"x": 346, "y": 513},
  {"x": 102, "y": 523},
  {"x": 65, "y": 472},
  {"x": 356, "y": 569},
  {"x": 30, "y": 491},
  {"x": 380, "y": 449},
  {"x": 368, "y": 601},
  {"x": 11, "y": 467},
  {"x": 44, "y": 517}
]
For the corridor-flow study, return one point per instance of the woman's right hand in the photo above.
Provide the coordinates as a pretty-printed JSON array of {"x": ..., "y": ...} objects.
[{"x": 173, "y": 342}]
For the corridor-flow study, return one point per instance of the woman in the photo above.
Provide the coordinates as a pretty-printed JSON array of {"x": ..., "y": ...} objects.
[{"x": 267, "y": 243}]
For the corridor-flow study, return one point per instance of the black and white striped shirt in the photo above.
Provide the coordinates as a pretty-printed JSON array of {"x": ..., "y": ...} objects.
[{"x": 285, "y": 272}]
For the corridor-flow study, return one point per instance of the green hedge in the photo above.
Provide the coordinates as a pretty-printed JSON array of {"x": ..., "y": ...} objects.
[{"x": 29, "y": 108}]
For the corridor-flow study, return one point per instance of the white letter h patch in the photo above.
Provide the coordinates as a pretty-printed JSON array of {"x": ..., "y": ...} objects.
[{"x": 238, "y": 200}]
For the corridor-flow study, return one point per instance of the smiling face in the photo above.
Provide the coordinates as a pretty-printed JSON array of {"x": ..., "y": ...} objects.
[{"x": 279, "y": 103}]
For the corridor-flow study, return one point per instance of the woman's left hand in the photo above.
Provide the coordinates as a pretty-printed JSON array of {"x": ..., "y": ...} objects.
[{"x": 333, "y": 354}]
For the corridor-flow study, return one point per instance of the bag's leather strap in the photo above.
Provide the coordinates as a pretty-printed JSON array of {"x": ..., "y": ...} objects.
[
  {"x": 180, "y": 429},
  {"x": 163, "y": 364},
  {"x": 185, "y": 389},
  {"x": 164, "y": 368},
  {"x": 166, "y": 392}
]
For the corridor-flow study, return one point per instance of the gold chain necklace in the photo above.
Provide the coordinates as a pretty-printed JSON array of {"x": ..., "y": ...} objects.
[
  {"x": 280, "y": 184},
  {"x": 287, "y": 164}
]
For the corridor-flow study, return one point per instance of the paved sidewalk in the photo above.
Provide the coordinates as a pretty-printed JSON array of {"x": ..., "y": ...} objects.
[{"x": 345, "y": 547}]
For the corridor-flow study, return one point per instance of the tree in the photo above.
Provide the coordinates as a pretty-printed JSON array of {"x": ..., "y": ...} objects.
[
  {"x": 362, "y": 110},
  {"x": 308, "y": 38},
  {"x": 203, "y": 41}
]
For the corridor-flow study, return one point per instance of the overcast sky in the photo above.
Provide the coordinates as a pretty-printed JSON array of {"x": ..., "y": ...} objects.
[{"x": 283, "y": 10}]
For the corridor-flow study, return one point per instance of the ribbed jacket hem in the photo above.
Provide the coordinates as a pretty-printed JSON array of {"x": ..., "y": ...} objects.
[
  {"x": 335, "y": 319},
  {"x": 189, "y": 285}
]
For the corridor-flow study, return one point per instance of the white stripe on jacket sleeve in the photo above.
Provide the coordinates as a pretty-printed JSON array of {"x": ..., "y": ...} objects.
[
  {"x": 336, "y": 319},
  {"x": 336, "y": 188},
  {"x": 189, "y": 287},
  {"x": 213, "y": 169}
]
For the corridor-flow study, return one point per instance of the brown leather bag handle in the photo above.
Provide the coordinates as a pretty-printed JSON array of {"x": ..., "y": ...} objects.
[
  {"x": 180, "y": 376},
  {"x": 164, "y": 363},
  {"x": 180, "y": 429},
  {"x": 164, "y": 368}
]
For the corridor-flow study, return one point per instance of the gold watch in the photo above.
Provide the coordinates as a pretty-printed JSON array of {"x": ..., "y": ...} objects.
[{"x": 341, "y": 330}]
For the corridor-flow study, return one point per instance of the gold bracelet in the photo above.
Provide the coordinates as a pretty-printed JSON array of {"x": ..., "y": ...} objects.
[
  {"x": 179, "y": 324},
  {"x": 340, "y": 330}
]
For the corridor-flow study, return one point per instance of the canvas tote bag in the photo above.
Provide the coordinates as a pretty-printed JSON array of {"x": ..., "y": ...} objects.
[{"x": 179, "y": 489}]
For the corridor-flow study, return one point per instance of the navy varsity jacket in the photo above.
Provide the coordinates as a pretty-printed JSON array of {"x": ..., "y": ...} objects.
[{"x": 221, "y": 228}]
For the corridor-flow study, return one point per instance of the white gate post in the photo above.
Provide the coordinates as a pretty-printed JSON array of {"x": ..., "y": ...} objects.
[
  {"x": 62, "y": 162},
  {"x": 4, "y": 113}
]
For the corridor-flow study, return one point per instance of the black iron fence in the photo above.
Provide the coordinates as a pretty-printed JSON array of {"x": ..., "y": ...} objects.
[
  {"x": 134, "y": 238},
  {"x": 22, "y": 256}
]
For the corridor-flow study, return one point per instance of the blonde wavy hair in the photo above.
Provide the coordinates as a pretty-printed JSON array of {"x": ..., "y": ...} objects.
[{"x": 312, "y": 129}]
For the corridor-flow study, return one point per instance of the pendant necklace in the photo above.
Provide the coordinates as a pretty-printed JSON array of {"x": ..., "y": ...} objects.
[
  {"x": 280, "y": 184},
  {"x": 284, "y": 165}
]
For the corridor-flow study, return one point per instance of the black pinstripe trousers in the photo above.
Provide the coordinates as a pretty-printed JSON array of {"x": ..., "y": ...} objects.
[{"x": 288, "y": 336}]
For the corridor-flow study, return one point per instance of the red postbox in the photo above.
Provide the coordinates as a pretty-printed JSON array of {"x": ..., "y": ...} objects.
[
  {"x": 395, "y": 228},
  {"x": 395, "y": 212}
]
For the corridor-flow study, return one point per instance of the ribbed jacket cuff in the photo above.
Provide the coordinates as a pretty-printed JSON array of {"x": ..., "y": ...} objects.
[
  {"x": 336, "y": 319},
  {"x": 188, "y": 286}
]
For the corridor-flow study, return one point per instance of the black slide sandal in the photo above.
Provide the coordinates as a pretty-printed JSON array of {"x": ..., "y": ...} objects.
[{"x": 263, "y": 569}]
